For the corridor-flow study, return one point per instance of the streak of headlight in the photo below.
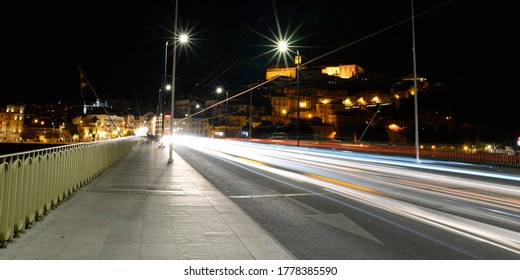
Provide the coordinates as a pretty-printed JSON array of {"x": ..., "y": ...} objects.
[
  {"x": 330, "y": 164},
  {"x": 490, "y": 234},
  {"x": 455, "y": 193},
  {"x": 306, "y": 157},
  {"x": 390, "y": 160},
  {"x": 406, "y": 162},
  {"x": 503, "y": 238},
  {"x": 503, "y": 196},
  {"x": 327, "y": 155},
  {"x": 500, "y": 196},
  {"x": 316, "y": 160},
  {"x": 338, "y": 182}
]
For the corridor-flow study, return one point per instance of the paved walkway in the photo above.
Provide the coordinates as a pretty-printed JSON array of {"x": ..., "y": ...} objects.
[{"x": 144, "y": 208}]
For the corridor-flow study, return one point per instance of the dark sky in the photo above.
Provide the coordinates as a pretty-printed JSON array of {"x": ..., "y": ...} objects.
[{"x": 469, "y": 45}]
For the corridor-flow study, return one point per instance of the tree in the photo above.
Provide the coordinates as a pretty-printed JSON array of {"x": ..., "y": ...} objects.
[
  {"x": 29, "y": 134},
  {"x": 70, "y": 130}
]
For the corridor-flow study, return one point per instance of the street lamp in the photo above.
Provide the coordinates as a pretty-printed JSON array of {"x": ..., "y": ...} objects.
[
  {"x": 415, "y": 90},
  {"x": 219, "y": 91},
  {"x": 165, "y": 87},
  {"x": 250, "y": 111},
  {"x": 159, "y": 116},
  {"x": 160, "y": 111},
  {"x": 182, "y": 39},
  {"x": 165, "y": 62},
  {"x": 298, "y": 61},
  {"x": 283, "y": 47}
]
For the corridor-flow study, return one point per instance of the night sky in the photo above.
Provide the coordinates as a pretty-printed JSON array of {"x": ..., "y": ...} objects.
[{"x": 468, "y": 45}]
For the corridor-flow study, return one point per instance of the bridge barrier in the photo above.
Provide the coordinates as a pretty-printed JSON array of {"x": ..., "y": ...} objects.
[{"x": 35, "y": 182}]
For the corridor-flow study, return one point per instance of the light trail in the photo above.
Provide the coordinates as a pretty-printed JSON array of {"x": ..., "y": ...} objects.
[{"x": 437, "y": 200}]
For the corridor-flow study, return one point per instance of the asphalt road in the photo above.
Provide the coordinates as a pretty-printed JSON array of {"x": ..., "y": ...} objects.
[{"x": 360, "y": 210}]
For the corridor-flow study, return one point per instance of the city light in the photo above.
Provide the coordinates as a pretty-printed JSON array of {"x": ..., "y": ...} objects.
[
  {"x": 282, "y": 46},
  {"x": 183, "y": 38}
]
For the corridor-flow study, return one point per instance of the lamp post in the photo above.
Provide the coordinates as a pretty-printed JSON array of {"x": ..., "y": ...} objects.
[
  {"x": 298, "y": 61},
  {"x": 182, "y": 39},
  {"x": 161, "y": 113},
  {"x": 165, "y": 87},
  {"x": 283, "y": 47},
  {"x": 227, "y": 100},
  {"x": 250, "y": 110},
  {"x": 415, "y": 91},
  {"x": 219, "y": 91},
  {"x": 165, "y": 62}
]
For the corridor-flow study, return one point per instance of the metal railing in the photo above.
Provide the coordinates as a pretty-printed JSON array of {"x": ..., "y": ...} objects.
[{"x": 33, "y": 183}]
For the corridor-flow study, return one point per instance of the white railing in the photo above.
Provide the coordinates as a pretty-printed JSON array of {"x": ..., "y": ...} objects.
[{"x": 33, "y": 183}]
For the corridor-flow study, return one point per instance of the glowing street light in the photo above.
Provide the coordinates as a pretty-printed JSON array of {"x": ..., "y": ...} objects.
[
  {"x": 282, "y": 46},
  {"x": 183, "y": 38}
]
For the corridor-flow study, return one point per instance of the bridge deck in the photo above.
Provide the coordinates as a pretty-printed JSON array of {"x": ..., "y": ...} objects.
[{"x": 144, "y": 208}]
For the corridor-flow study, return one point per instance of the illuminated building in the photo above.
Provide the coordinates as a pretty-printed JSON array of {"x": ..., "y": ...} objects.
[
  {"x": 11, "y": 122},
  {"x": 343, "y": 71}
]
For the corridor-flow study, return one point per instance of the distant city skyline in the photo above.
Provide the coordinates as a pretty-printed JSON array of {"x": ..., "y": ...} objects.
[{"x": 395, "y": 94}]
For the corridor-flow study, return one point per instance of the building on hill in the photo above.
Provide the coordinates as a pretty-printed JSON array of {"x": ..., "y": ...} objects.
[
  {"x": 343, "y": 71},
  {"x": 344, "y": 96}
]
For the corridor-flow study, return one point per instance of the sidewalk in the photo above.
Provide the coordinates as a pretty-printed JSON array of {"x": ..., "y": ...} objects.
[{"x": 144, "y": 208}]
